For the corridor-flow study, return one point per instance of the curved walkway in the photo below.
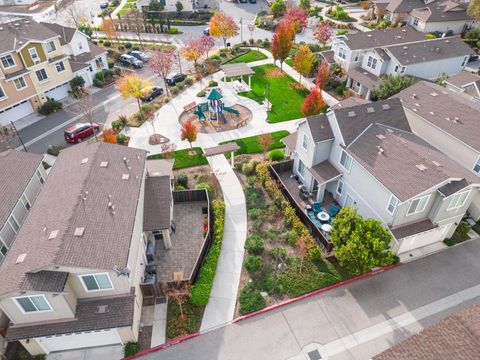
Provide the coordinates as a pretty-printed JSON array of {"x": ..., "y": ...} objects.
[{"x": 118, "y": 8}]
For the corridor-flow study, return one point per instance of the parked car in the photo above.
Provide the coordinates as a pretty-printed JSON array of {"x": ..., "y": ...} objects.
[
  {"x": 174, "y": 78},
  {"x": 140, "y": 55},
  {"x": 129, "y": 60},
  {"x": 252, "y": 1},
  {"x": 104, "y": 5},
  {"x": 242, "y": 1},
  {"x": 151, "y": 93},
  {"x": 80, "y": 131},
  {"x": 206, "y": 31}
]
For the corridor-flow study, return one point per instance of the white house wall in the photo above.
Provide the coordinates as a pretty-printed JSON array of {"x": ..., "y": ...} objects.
[
  {"x": 378, "y": 69},
  {"x": 79, "y": 43},
  {"x": 432, "y": 69}
]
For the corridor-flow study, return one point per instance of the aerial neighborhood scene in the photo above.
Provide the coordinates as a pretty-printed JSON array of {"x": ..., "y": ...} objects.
[{"x": 240, "y": 179}]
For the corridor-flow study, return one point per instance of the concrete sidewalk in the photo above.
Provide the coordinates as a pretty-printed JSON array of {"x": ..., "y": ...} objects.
[{"x": 223, "y": 297}]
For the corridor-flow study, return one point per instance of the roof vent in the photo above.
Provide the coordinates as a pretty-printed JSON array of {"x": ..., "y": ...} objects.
[
  {"x": 386, "y": 106},
  {"x": 20, "y": 258},
  {"x": 53, "y": 235},
  {"x": 431, "y": 113},
  {"x": 405, "y": 47},
  {"x": 380, "y": 150},
  {"x": 84, "y": 160},
  {"x": 104, "y": 164},
  {"x": 369, "y": 35},
  {"x": 102, "y": 309},
  {"x": 415, "y": 110},
  {"x": 351, "y": 114},
  {"x": 421, "y": 167},
  {"x": 417, "y": 104},
  {"x": 79, "y": 231},
  {"x": 434, "y": 94},
  {"x": 381, "y": 136},
  {"x": 370, "y": 110},
  {"x": 414, "y": 96},
  {"x": 436, "y": 163},
  {"x": 390, "y": 131},
  {"x": 125, "y": 176},
  {"x": 1, "y": 27},
  {"x": 448, "y": 119}
]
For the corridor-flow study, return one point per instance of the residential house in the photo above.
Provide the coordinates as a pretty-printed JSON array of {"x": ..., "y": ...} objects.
[
  {"x": 366, "y": 156},
  {"x": 448, "y": 121},
  {"x": 427, "y": 15},
  {"x": 368, "y": 56},
  {"x": 465, "y": 83},
  {"x": 33, "y": 67},
  {"x": 86, "y": 58}
]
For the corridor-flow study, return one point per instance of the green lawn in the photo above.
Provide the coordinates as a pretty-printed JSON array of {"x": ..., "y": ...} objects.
[
  {"x": 183, "y": 159},
  {"x": 128, "y": 6},
  {"x": 249, "y": 145},
  {"x": 252, "y": 55},
  {"x": 285, "y": 99},
  {"x": 289, "y": 62}
]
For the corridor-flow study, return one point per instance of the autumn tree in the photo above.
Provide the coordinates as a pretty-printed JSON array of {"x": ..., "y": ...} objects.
[
  {"x": 131, "y": 85},
  {"x": 313, "y": 103},
  {"x": 277, "y": 8},
  {"x": 189, "y": 132},
  {"x": 360, "y": 244},
  {"x": 474, "y": 9},
  {"x": 222, "y": 26},
  {"x": 108, "y": 28},
  {"x": 161, "y": 63},
  {"x": 304, "y": 4},
  {"x": 303, "y": 61},
  {"x": 265, "y": 142},
  {"x": 207, "y": 43},
  {"x": 192, "y": 50},
  {"x": 323, "y": 33},
  {"x": 323, "y": 74},
  {"x": 298, "y": 18},
  {"x": 109, "y": 136},
  {"x": 282, "y": 41}
]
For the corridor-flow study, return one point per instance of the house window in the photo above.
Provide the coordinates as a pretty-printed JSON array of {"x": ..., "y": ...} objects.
[
  {"x": 96, "y": 282},
  {"x": 340, "y": 187},
  {"x": 301, "y": 168},
  {"x": 402, "y": 70},
  {"x": 372, "y": 62},
  {"x": 418, "y": 205},
  {"x": 33, "y": 303},
  {"x": 20, "y": 83},
  {"x": 305, "y": 142},
  {"x": 476, "y": 167},
  {"x": 33, "y": 53},
  {"x": 80, "y": 47},
  {"x": 342, "y": 53},
  {"x": 60, "y": 66},
  {"x": 3, "y": 249},
  {"x": 464, "y": 61},
  {"x": 346, "y": 161},
  {"x": 50, "y": 46},
  {"x": 41, "y": 75},
  {"x": 40, "y": 177},
  {"x": 7, "y": 61},
  {"x": 396, "y": 68},
  {"x": 415, "y": 22},
  {"x": 2, "y": 93},
  {"x": 356, "y": 56},
  {"x": 14, "y": 224},
  {"x": 458, "y": 200},
  {"x": 392, "y": 204},
  {"x": 25, "y": 202}
]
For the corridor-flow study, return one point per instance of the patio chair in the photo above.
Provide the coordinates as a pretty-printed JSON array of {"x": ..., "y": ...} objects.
[
  {"x": 334, "y": 210},
  {"x": 317, "y": 207}
]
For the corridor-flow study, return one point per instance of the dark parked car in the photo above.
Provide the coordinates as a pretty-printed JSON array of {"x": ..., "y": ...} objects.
[
  {"x": 104, "y": 5},
  {"x": 151, "y": 93},
  {"x": 174, "y": 78},
  {"x": 242, "y": 1},
  {"x": 252, "y": 1},
  {"x": 78, "y": 132},
  {"x": 140, "y": 55},
  {"x": 129, "y": 60}
]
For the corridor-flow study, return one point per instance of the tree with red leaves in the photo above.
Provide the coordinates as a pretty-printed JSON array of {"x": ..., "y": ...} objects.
[
  {"x": 282, "y": 41},
  {"x": 189, "y": 132},
  {"x": 298, "y": 17},
  {"x": 313, "y": 103},
  {"x": 323, "y": 33},
  {"x": 161, "y": 63},
  {"x": 207, "y": 43},
  {"x": 323, "y": 73}
]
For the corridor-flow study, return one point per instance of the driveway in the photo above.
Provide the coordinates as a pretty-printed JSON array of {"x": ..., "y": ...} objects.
[
  {"x": 356, "y": 321},
  {"x": 114, "y": 352}
]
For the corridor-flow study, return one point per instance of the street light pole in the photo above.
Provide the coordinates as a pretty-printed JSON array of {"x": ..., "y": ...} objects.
[{"x": 241, "y": 30}]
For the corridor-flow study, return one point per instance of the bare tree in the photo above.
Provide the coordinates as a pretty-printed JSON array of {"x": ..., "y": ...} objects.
[
  {"x": 85, "y": 107},
  {"x": 168, "y": 149},
  {"x": 8, "y": 138},
  {"x": 136, "y": 23},
  {"x": 178, "y": 291},
  {"x": 75, "y": 14}
]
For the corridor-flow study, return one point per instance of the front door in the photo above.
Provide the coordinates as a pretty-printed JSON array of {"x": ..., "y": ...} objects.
[{"x": 349, "y": 201}]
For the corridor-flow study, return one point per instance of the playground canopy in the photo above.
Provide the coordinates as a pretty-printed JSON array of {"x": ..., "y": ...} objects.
[{"x": 214, "y": 95}]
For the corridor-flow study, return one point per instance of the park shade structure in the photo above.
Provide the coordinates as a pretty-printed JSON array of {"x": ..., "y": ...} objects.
[{"x": 237, "y": 71}]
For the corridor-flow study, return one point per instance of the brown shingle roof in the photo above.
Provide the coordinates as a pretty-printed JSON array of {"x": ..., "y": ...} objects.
[
  {"x": 413, "y": 228},
  {"x": 290, "y": 141},
  {"x": 455, "y": 337},
  {"x": 350, "y": 101},
  {"x": 50, "y": 281},
  {"x": 158, "y": 197},
  {"x": 379, "y": 38},
  {"x": 66, "y": 33},
  {"x": 17, "y": 33},
  {"x": 444, "y": 109},
  {"x": 364, "y": 77},
  {"x": 17, "y": 168},
  {"x": 324, "y": 172},
  {"x": 441, "y": 11},
  {"x": 464, "y": 78},
  {"x": 320, "y": 128},
  {"x": 107, "y": 232},
  {"x": 90, "y": 315}
]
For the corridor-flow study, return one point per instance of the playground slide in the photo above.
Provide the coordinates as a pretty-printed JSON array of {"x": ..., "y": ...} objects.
[
  {"x": 222, "y": 115},
  {"x": 200, "y": 114},
  {"x": 230, "y": 110}
]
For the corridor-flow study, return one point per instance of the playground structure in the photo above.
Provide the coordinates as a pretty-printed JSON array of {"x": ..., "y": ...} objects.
[{"x": 214, "y": 107}]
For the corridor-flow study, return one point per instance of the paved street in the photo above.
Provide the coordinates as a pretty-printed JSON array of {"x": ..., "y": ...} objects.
[{"x": 355, "y": 321}]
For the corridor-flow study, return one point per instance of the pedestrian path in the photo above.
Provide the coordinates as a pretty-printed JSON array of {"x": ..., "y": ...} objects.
[{"x": 221, "y": 306}]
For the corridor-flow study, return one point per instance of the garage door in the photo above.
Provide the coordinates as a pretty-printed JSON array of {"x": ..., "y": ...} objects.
[
  {"x": 15, "y": 112},
  {"x": 59, "y": 92},
  {"x": 423, "y": 239},
  {"x": 79, "y": 340}
]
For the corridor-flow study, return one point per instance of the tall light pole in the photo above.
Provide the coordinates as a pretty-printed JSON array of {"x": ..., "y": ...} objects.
[{"x": 241, "y": 30}]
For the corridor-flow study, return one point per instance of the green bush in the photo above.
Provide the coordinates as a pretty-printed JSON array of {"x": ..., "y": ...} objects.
[
  {"x": 342, "y": 32},
  {"x": 100, "y": 41},
  {"x": 253, "y": 263},
  {"x": 282, "y": 253},
  {"x": 201, "y": 93},
  {"x": 200, "y": 293},
  {"x": 340, "y": 90},
  {"x": 131, "y": 349},
  {"x": 135, "y": 48},
  {"x": 448, "y": 242},
  {"x": 250, "y": 300},
  {"x": 110, "y": 63},
  {"x": 128, "y": 45},
  {"x": 54, "y": 150},
  {"x": 188, "y": 81},
  {"x": 248, "y": 168},
  {"x": 50, "y": 106},
  {"x": 463, "y": 229},
  {"x": 147, "y": 109},
  {"x": 182, "y": 179},
  {"x": 252, "y": 181},
  {"x": 121, "y": 139},
  {"x": 173, "y": 31},
  {"x": 205, "y": 186},
  {"x": 276, "y": 155},
  {"x": 181, "y": 85},
  {"x": 254, "y": 245},
  {"x": 174, "y": 90},
  {"x": 212, "y": 83},
  {"x": 179, "y": 187},
  {"x": 107, "y": 43},
  {"x": 117, "y": 125}
]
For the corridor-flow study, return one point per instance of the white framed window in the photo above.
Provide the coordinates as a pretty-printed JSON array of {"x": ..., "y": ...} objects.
[
  {"x": 33, "y": 53},
  {"x": 396, "y": 68},
  {"x": 20, "y": 83},
  {"x": 305, "y": 142},
  {"x": 7, "y": 61},
  {"x": 346, "y": 160},
  {"x": 402, "y": 70},
  {"x": 392, "y": 204},
  {"x": 357, "y": 56},
  {"x": 342, "y": 53},
  {"x": 96, "y": 282},
  {"x": 39, "y": 176},
  {"x": 418, "y": 205},
  {"x": 80, "y": 46},
  {"x": 372, "y": 62},
  {"x": 415, "y": 22},
  {"x": 458, "y": 200},
  {"x": 25, "y": 202},
  {"x": 476, "y": 167},
  {"x": 301, "y": 168},
  {"x": 50, "y": 46},
  {"x": 3, "y": 250},
  {"x": 33, "y": 303},
  {"x": 340, "y": 187},
  {"x": 2, "y": 93},
  {"x": 14, "y": 224},
  {"x": 60, "y": 66},
  {"x": 41, "y": 75}
]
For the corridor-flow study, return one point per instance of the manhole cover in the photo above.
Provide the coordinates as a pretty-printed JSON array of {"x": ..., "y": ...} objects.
[{"x": 314, "y": 355}]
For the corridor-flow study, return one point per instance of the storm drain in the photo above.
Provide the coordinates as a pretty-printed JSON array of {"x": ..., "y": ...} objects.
[{"x": 314, "y": 355}]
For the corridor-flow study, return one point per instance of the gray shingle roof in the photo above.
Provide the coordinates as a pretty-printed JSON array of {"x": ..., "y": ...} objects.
[
  {"x": 49, "y": 281},
  {"x": 350, "y": 101},
  {"x": 464, "y": 78},
  {"x": 364, "y": 77},
  {"x": 443, "y": 108},
  {"x": 324, "y": 172},
  {"x": 386, "y": 37},
  {"x": 15, "y": 34},
  {"x": 158, "y": 197},
  {"x": 320, "y": 128},
  {"x": 441, "y": 11},
  {"x": 412, "y": 229},
  {"x": 107, "y": 232},
  {"x": 453, "y": 187},
  {"x": 290, "y": 141},
  {"x": 66, "y": 33},
  {"x": 17, "y": 168}
]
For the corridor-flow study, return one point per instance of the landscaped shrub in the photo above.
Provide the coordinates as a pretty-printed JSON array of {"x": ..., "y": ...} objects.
[
  {"x": 201, "y": 93},
  {"x": 135, "y": 47},
  {"x": 282, "y": 252},
  {"x": 448, "y": 242},
  {"x": 131, "y": 348},
  {"x": 182, "y": 179},
  {"x": 50, "y": 106},
  {"x": 54, "y": 150},
  {"x": 107, "y": 43},
  {"x": 262, "y": 173},
  {"x": 179, "y": 187},
  {"x": 250, "y": 300},
  {"x": 110, "y": 63},
  {"x": 342, "y": 32},
  {"x": 128, "y": 45},
  {"x": 212, "y": 83},
  {"x": 121, "y": 138},
  {"x": 147, "y": 109},
  {"x": 173, "y": 31},
  {"x": 200, "y": 293},
  {"x": 248, "y": 168},
  {"x": 276, "y": 155},
  {"x": 188, "y": 81},
  {"x": 117, "y": 125},
  {"x": 205, "y": 186},
  {"x": 174, "y": 90},
  {"x": 463, "y": 229},
  {"x": 181, "y": 85},
  {"x": 340, "y": 90},
  {"x": 254, "y": 245},
  {"x": 253, "y": 263},
  {"x": 252, "y": 181}
]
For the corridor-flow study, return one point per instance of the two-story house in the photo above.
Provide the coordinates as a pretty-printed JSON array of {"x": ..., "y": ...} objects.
[
  {"x": 366, "y": 156},
  {"x": 33, "y": 67},
  {"x": 86, "y": 58},
  {"x": 448, "y": 121},
  {"x": 368, "y": 56},
  {"x": 466, "y": 84}
]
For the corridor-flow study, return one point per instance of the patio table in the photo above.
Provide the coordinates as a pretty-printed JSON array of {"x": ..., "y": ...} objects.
[
  {"x": 323, "y": 216},
  {"x": 327, "y": 227}
]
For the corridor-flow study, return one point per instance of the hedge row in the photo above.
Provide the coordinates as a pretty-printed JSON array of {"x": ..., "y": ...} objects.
[{"x": 200, "y": 293}]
